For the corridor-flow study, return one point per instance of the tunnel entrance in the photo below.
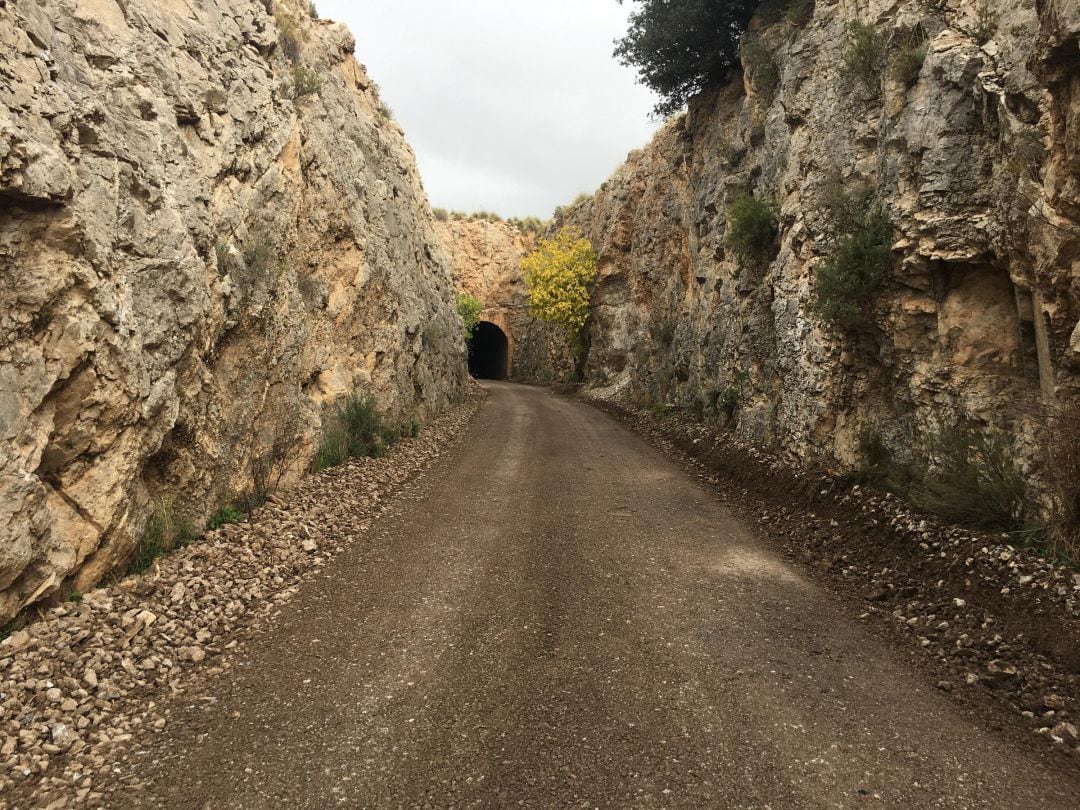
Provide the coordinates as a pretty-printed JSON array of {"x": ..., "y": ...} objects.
[{"x": 489, "y": 352}]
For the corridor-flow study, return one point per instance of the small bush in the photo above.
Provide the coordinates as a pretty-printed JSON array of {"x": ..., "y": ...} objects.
[
  {"x": 441, "y": 214},
  {"x": 363, "y": 427},
  {"x": 166, "y": 529},
  {"x": 333, "y": 449},
  {"x": 529, "y": 225},
  {"x": 224, "y": 516},
  {"x": 878, "y": 467},
  {"x": 751, "y": 231},
  {"x": 305, "y": 82},
  {"x": 863, "y": 57},
  {"x": 847, "y": 281},
  {"x": 313, "y": 12},
  {"x": 907, "y": 65},
  {"x": 268, "y": 463},
  {"x": 798, "y": 13},
  {"x": 290, "y": 35},
  {"x": 986, "y": 23},
  {"x": 255, "y": 266},
  {"x": 469, "y": 308},
  {"x": 760, "y": 66},
  {"x": 1028, "y": 153},
  {"x": 354, "y": 430},
  {"x": 732, "y": 153},
  {"x": 969, "y": 477}
]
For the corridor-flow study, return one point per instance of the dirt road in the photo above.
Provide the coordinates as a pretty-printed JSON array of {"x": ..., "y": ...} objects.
[{"x": 559, "y": 616}]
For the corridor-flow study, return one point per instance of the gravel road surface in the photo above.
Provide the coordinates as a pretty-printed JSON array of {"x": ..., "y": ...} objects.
[{"x": 557, "y": 615}]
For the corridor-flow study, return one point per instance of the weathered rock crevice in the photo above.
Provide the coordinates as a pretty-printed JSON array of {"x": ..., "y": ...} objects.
[{"x": 210, "y": 230}]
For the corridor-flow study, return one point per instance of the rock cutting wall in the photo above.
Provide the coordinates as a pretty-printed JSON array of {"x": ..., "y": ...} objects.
[
  {"x": 977, "y": 161},
  {"x": 486, "y": 260},
  {"x": 210, "y": 228}
]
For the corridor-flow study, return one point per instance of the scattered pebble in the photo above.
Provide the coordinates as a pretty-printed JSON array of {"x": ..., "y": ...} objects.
[
  {"x": 75, "y": 686},
  {"x": 977, "y": 606}
]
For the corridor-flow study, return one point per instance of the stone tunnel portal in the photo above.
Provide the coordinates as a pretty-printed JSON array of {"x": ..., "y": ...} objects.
[{"x": 489, "y": 352}]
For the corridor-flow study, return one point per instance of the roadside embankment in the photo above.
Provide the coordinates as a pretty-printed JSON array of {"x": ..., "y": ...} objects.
[
  {"x": 986, "y": 617},
  {"x": 75, "y": 687}
]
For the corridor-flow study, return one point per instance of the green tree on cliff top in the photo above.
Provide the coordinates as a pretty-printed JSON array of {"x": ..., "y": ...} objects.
[{"x": 679, "y": 47}]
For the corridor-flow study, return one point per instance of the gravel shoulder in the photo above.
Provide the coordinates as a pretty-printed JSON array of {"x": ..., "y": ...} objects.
[
  {"x": 556, "y": 614},
  {"x": 79, "y": 686},
  {"x": 993, "y": 624}
]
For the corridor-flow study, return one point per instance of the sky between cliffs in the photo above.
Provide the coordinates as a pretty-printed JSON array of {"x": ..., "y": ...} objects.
[{"x": 512, "y": 106}]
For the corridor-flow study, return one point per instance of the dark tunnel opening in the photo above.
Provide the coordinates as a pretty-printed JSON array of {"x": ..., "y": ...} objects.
[{"x": 489, "y": 351}]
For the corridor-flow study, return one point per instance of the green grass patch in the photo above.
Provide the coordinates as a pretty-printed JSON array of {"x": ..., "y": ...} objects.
[
  {"x": 167, "y": 529},
  {"x": 225, "y": 515},
  {"x": 356, "y": 429}
]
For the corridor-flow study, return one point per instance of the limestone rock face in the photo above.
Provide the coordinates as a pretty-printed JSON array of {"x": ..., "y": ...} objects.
[
  {"x": 209, "y": 229},
  {"x": 975, "y": 157},
  {"x": 485, "y": 258}
]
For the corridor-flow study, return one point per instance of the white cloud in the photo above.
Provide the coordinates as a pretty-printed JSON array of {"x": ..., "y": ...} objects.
[{"x": 511, "y": 106}]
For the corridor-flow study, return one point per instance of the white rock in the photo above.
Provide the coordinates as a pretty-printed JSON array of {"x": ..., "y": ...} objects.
[
  {"x": 15, "y": 642},
  {"x": 1066, "y": 731}
]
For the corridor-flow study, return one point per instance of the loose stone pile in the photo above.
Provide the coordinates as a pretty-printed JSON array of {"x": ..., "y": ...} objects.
[
  {"x": 77, "y": 685},
  {"x": 988, "y": 616}
]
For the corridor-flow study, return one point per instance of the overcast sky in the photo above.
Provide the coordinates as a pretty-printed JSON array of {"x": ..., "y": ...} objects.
[{"x": 512, "y": 106}]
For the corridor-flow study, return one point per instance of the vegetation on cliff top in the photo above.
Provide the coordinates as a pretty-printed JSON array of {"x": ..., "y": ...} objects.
[{"x": 679, "y": 47}]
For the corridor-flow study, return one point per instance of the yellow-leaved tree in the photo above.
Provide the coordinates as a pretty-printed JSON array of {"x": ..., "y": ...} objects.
[{"x": 558, "y": 275}]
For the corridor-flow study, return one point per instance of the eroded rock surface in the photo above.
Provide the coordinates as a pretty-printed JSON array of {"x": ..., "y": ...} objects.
[
  {"x": 975, "y": 160},
  {"x": 210, "y": 228}
]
